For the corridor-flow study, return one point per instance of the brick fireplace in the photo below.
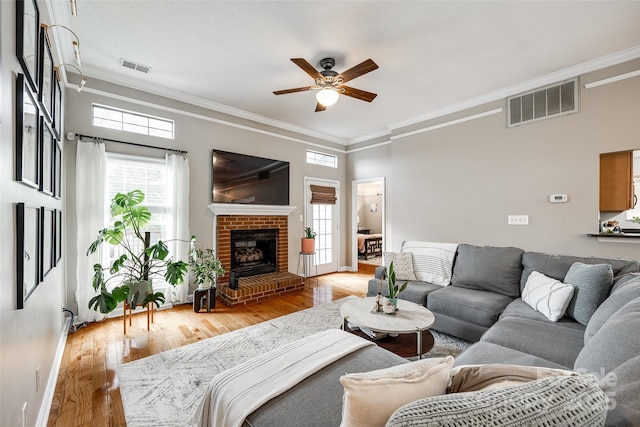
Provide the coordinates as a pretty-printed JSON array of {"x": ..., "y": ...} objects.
[
  {"x": 228, "y": 223},
  {"x": 230, "y": 218}
]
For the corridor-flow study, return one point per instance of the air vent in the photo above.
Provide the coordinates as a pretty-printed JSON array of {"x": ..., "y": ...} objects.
[
  {"x": 546, "y": 102},
  {"x": 135, "y": 66}
]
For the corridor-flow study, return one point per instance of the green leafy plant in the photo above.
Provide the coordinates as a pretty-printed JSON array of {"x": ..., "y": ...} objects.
[
  {"x": 139, "y": 261},
  {"x": 309, "y": 233},
  {"x": 394, "y": 289},
  {"x": 205, "y": 266}
]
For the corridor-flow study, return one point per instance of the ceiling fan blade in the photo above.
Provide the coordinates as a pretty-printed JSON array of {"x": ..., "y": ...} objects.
[
  {"x": 307, "y": 68},
  {"x": 358, "y": 70},
  {"x": 297, "y": 89},
  {"x": 358, "y": 93},
  {"x": 320, "y": 107}
]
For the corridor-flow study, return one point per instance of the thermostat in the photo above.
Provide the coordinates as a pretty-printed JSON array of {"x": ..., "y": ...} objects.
[{"x": 558, "y": 198}]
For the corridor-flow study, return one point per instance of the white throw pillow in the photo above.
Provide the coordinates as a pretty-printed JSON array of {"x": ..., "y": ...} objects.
[
  {"x": 371, "y": 397},
  {"x": 402, "y": 264},
  {"x": 547, "y": 295},
  {"x": 432, "y": 261}
]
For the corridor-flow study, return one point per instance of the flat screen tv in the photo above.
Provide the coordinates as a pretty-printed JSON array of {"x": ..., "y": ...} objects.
[{"x": 244, "y": 179}]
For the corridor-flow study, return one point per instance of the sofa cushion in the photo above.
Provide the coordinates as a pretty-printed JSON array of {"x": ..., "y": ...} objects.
[
  {"x": 565, "y": 400},
  {"x": 415, "y": 291},
  {"x": 622, "y": 387},
  {"x": 486, "y": 352},
  {"x": 616, "y": 300},
  {"x": 557, "y": 266},
  {"x": 488, "y": 268},
  {"x": 615, "y": 342},
  {"x": 547, "y": 296},
  {"x": 518, "y": 308},
  {"x": 371, "y": 397},
  {"x": 432, "y": 262},
  {"x": 546, "y": 340},
  {"x": 402, "y": 264},
  {"x": 592, "y": 284},
  {"x": 623, "y": 281},
  {"x": 471, "y": 305}
]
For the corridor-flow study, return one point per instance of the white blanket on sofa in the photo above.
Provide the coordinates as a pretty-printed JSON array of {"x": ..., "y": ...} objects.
[
  {"x": 238, "y": 391},
  {"x": 432, "y": 261}
]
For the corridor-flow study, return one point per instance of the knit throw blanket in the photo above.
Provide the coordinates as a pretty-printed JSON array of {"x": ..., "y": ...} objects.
[{"x": 237, "y": 392}]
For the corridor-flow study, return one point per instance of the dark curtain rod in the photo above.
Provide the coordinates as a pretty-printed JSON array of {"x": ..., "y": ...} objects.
[{"x": 133, "y": 143}]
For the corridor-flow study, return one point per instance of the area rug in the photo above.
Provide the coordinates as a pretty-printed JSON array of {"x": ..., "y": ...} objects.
[{"x": 165, "y": 389}]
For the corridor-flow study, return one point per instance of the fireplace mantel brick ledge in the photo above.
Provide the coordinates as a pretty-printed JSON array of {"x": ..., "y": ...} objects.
[{"x": 256, "y": 288}]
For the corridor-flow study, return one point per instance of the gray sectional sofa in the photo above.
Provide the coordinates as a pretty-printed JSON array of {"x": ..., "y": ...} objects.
[{"x": 483, "y": 304}]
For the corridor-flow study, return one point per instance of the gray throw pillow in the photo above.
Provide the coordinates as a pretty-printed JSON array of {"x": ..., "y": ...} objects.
[
  {"x": 570, "y": 400},
  {"x": 592, "y": 285}
]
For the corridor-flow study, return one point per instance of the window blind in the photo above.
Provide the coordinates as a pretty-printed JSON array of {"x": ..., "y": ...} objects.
[{"x": 322, "y": 195}]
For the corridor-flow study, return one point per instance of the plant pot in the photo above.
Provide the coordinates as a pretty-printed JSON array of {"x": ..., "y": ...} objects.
[
  {"x": 307, "y": 245},
  {"x": 205, "y": 286},
  {"x": 394, "y": 302}
]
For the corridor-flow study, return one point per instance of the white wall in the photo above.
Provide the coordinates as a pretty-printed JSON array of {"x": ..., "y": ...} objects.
[
  {"x": 459, "y": 183},
  {"x": 28, "y": 337}
]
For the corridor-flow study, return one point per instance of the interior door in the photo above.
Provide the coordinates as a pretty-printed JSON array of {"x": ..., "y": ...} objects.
[{"x": 324, "y": 220}]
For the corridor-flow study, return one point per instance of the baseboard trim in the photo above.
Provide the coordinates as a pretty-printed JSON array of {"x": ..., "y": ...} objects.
[{"x": 47, "y": 399}]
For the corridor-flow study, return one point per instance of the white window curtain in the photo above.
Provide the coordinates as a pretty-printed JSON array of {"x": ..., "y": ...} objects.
[
  {"x": 178, "y": 217},
  {"x": 90, "y": 167}
]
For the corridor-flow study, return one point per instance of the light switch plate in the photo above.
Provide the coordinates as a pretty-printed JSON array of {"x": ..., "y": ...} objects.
[{"x": 518, "y": 220}]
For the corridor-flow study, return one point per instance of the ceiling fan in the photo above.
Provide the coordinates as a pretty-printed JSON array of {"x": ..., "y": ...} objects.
[{"x": 331, "y": 83}]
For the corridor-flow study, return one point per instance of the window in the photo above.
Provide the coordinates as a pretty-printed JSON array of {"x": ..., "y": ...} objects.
[
  {"x": 322, "y": 159},
  {"x": 113, "y": 118},
  {"x": 127, "y": 173}
]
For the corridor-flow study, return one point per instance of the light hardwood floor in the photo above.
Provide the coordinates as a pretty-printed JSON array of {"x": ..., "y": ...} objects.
[{"x": 87, "y": 391}]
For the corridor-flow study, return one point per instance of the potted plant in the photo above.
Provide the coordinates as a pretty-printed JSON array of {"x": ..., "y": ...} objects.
[
  {"x": 308, "y": 243},
  {"x": 393, "y": 288},
  {"x": 206, "y": 267},
  {"x": 140, "y": 260}
]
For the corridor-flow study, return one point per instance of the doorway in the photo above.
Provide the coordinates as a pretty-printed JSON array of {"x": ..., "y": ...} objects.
[{"x": 368, "y": 222}]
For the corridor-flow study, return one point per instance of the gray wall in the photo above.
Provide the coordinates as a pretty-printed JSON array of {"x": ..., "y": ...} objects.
[
  {"x": 28, "y": 337},
  {"x": 459, "y": 183}
]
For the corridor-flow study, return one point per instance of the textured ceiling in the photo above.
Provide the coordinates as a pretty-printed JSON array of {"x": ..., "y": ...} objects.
[{"x": 433, "y": 56}]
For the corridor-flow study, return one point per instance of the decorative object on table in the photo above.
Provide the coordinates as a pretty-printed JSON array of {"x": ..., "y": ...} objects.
[
  {"x": 139, "y": 262},
  {"x": 394, "y": 288},
  {"x": 308, "y": 242},
  {"x": 388, "y": 307},
  {"x": 609, "y": 227},
  {"x": 205, "y": 266}
]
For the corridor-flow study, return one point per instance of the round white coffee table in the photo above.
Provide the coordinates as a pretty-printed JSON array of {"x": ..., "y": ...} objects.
[{"x": 410, "y": 318}]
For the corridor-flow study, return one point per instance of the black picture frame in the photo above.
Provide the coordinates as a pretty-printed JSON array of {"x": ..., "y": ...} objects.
[
  {"x": 57, "y": 106},
  {"x": 27, "y": 150},
  {"x": 47, "y": 240},
  {"x": 27, "y": 36},
  {"x": 47, "y": 158},
  {"x": 58, "y": 231},
  {"x": 57, "y": 170},
  {"x": 45, "y": 76},
  {"x": 27, "y": 252}
]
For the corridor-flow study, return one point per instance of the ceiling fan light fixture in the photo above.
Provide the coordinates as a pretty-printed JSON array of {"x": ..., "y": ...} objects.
[{"x": 327, "y": 97}]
